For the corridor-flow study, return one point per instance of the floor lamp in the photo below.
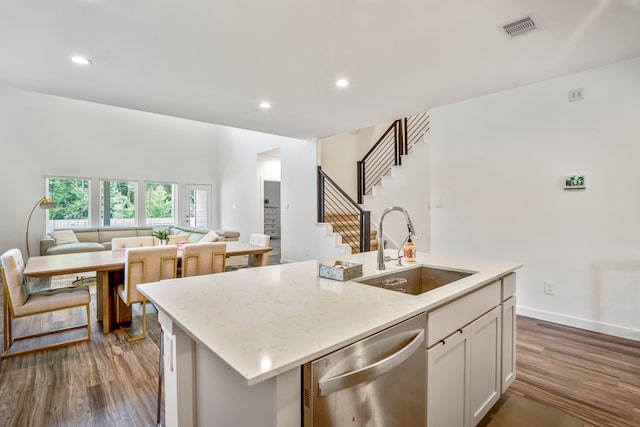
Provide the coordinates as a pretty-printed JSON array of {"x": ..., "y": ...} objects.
[{"x": 44, "y": 203}]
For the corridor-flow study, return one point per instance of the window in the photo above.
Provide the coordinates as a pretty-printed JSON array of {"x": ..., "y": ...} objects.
[
  {"x": 118, "y": 203},
  {"x": 160, "y": 203},
  {"x": 72, "y": 198}
]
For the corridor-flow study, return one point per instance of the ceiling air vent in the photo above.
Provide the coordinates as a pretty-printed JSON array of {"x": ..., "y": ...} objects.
[{"x": 519, "y": 27}]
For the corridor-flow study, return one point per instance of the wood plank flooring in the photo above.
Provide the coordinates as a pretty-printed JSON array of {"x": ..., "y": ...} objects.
[
  {"x": 592, "y": 376},
  {"x": 104, "y": 382},
  {"x": 109, "y": 382}
]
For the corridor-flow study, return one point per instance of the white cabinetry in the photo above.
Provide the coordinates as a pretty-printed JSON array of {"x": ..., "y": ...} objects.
[
  {"x": 508, "y": 331},
  {"x": 485, "y": 367},
  {"x": 272, "y": 221},
  {"x": 470, "y": 354},
  {"x": 448, "y": 381}
]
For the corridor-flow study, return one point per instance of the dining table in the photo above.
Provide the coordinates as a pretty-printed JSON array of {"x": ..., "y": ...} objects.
[{"x": 109, "y": 266}]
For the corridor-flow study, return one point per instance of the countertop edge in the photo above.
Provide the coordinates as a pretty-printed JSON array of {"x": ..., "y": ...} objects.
[{"x": 454, "y": 291}]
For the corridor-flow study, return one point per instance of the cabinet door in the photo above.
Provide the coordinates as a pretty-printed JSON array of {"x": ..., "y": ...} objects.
[
  {"x": 485, "y": 382},
  {"x": 448, "y": 381},
  {"x": 508, "y": 342}
]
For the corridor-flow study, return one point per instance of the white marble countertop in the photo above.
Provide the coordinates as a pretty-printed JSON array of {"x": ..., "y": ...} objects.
[{"x": 267, "y": 320}]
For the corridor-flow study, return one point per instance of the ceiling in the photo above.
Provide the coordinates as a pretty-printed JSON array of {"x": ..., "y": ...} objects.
[{"x": 216, "y": 60}]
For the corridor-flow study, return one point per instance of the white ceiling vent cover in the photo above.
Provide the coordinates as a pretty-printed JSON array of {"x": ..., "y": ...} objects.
[{"x": 519, "y": 27}]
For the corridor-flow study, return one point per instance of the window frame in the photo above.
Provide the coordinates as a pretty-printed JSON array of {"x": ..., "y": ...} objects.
[
  {"x": 136, "y": 216},
  {"x": 174, "y": 202},
  {"x": 50, "y": 225}
]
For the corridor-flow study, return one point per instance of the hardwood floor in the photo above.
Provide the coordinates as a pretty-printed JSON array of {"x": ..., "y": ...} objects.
[
  {"x": 105, "y": 382},
  {"x": 109, "y": 382},
  {"x": 591, "y": 376}
]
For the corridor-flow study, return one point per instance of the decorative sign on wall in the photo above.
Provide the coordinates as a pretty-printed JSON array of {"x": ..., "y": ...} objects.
[{"x": 572, "y": 182}]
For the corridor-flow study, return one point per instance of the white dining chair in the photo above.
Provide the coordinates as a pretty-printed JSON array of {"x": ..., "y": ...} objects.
[
  {"x": 144, "y": 265},
  {"x": 259, "y": 240},
  {"x": 203, "y": 258},
  {"x": 20, "y": 303},
  {"x": 122, "y": 243}
]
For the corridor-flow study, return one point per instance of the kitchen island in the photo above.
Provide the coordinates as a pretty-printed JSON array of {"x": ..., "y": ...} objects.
[{"x": 234, "y": 342}]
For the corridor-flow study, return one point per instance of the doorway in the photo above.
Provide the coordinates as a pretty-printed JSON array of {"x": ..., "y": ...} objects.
[
  {"x": 198, "y": 205},
  {"x": 270, "y": 200},
  {"x": 271, "y": 191}
]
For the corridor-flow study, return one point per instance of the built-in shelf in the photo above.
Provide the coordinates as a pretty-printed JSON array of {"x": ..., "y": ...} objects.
[{"x": 272, "y": 221}]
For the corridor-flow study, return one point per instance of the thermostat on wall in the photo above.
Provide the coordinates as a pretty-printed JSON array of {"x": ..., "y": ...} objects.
[{"x": 572, "y": 182}]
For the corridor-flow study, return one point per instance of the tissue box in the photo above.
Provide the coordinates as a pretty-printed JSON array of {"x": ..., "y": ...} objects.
[{"x": 341, "y": 270}]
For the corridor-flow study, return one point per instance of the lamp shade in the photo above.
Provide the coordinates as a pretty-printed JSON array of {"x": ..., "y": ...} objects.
[
  {"x": 47, "y": 203},
  {"x": 44, "y": 203}
]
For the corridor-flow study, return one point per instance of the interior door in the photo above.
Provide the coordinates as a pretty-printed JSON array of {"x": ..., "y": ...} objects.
[{"x": 198, "y": 205}]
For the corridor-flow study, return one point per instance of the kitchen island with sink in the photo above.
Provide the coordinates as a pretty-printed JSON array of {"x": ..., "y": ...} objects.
[{"x": 234, "y": 343}]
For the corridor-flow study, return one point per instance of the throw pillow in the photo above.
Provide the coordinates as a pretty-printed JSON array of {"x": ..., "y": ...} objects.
[
  {"x": 211, "y": 236},
  {"x": 64, "y": 236}
]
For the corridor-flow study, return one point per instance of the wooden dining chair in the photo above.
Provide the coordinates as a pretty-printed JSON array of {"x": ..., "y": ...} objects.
[
  {"x": 19, "y": 303},
  {"x": 203, "y": 258},
  {"x": 143, "y": 265}
]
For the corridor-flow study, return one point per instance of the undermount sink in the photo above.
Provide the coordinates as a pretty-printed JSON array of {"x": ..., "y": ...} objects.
[{"x": 416, "y": 280}]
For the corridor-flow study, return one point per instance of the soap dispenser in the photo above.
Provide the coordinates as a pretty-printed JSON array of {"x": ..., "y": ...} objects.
[{"x": 409, "y": 250}]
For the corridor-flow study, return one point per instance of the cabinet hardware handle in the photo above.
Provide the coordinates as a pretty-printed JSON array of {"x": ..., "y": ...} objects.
[{"x": 353, "y": 378}]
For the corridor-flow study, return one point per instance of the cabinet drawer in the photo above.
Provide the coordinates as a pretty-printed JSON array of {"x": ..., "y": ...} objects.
[
  {"x": 508, "y": 286},
  {"x": 445, "y": 320}
]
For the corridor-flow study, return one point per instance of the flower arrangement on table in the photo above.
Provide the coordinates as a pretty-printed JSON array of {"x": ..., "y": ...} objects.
[{"x": 162, "y": 235}]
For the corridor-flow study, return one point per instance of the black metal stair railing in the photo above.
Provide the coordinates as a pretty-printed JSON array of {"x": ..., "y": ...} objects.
[
  {"x": 387, "y": 152},
  {"x": 415, "y": 127},
  {"x": 343, "y": 213},
  {"x": 380, "y": 158}
]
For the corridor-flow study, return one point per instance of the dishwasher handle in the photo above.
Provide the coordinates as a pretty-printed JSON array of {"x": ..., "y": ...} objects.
[{"x": 353, "y": 378}]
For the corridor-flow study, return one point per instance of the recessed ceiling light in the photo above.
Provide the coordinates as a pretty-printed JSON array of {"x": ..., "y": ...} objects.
[
  {"x": 80, "y": 60},
  {"x": 343, "y": 83},
  {"x": 265, "y": 105}
]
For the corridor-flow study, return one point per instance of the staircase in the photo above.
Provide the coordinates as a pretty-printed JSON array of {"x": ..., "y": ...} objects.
[
  {"x": 346, "y": 218},
  {"x": 408, "y": 186},
  {"x": 347, "y": 225}
]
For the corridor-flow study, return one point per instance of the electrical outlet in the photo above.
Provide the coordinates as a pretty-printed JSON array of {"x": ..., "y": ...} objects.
[
  {"x": 576, "y": 95},
  {"x": 549, "y": 287}
]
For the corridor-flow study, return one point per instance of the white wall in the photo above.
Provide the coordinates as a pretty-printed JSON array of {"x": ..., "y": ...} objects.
[
  {"x": 408, "y": 187},
  {"x": 240, "y": 201},
  {"x": 339, "y": 155},
  {"x": 44, "y": 135},
  {"x": 368, "y": 136},
  {"x": 269, "y": 166},
  {"x": 339, "y": 161},
  {"x": 497, "y": 165}
]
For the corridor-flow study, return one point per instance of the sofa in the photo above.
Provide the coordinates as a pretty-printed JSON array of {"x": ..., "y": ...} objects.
[
  {"x": 95, "y": 239},
  {"x": 194, "y": 234}
]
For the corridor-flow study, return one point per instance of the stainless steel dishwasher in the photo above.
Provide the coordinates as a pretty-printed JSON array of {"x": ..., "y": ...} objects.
[{"x": 379, "y": 381}]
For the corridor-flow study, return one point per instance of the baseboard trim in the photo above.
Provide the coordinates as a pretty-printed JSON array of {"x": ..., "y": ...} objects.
[{"x": 590, "y": 325}]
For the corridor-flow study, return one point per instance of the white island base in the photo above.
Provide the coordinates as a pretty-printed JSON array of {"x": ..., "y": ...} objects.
[
  {"x": 202, "y": 390},
  {"x": 234, "y": 343}
]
